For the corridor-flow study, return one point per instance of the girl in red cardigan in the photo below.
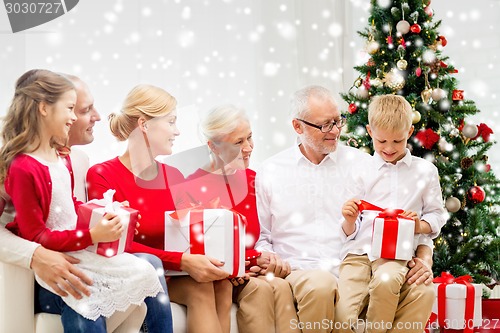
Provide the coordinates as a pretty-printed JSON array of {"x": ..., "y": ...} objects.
[{"x": 39, "y": 184}]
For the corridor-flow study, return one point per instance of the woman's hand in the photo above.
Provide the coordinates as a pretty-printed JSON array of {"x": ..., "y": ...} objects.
[{"x": 203, "y": 268}]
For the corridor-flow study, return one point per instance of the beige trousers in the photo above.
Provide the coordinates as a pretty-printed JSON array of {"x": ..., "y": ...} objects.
[
  {"x": 265, "y": 305},
  {"x": 315, "y": 294},
  {"x": 379, "y": 288}
]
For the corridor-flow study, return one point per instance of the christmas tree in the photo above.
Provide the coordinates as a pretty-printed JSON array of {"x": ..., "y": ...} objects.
[{"x": 406, "y": 58}]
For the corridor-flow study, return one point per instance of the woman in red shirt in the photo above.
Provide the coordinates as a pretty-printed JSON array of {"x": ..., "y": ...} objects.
[
  {"x": 148, "y": 121},
  {"x": 265, "y": 303}
]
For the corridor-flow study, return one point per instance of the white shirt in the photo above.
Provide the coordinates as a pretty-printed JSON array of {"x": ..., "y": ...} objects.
[
  {"x": 410, "y": 184},
  {"x": 299, "y": 205},
  {"x": 80, "y": 165}
]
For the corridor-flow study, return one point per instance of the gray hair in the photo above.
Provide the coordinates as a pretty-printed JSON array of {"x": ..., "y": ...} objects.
[
  {"x": 300, "y": 99},
  {"x": 221, "y": 121}
]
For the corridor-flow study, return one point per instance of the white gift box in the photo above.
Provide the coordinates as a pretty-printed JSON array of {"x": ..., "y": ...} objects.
[
  {"x": 90, "y": 213},
  {"x": 455, "y": 306},
  {"x": 217, "y": 233},
  {"x": 393, "y": 239}
]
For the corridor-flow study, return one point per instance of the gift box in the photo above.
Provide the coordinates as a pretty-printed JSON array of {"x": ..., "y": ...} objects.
[
  {"x": 458, "y": 303},
  {"x": 90, "y": 213},
  {"x": 392, "y": 234},
  {"x": 217, "y": 233}
]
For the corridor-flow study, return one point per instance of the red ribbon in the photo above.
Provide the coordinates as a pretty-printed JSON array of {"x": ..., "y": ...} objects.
[
  {"x": 391, "y": 226},
  {"x": 197, "y": 232},
  {"x": 446, "y": 279}
]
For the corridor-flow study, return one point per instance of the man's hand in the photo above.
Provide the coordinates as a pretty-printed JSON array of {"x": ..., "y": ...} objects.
[
  {"x": 421, "y": 267},
  {"x": 57, "y": 270},
  {"x": 270, "y": 262},
  {"x": 202, "y": 268}
]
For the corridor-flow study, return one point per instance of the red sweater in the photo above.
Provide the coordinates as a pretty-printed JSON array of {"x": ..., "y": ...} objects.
[
  {"x": 203, "y": 187},
  {"x": 29, "y": 185},
  {"x": 152, "y": 198}
]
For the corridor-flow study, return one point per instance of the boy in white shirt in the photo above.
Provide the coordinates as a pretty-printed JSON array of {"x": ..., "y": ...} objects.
[{"x": 394, "y": 179}]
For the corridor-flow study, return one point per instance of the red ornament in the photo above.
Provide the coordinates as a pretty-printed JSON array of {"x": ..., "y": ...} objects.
[
  {"x": 461, "y": 125},
  {"x": 389, "y": 39},
  {"x": 353, "y": 108},
  {"x": 476, "y": 194},
  {"x": 487, "y": 168},
  {"x": 370, "y": 62},
  {"x": 427, "y": 138},
  {"x": 484, "y": 131},
  {"x": 442, "y": 64},
  {"x": 366, "y": 81},
  {"x": 415, "y": 28},
  {"x": 418, "y": 71},
  {"x": 443, "y": 40},
  {"x": 402, "y": 42},
  {"x": 457, "y": 95}
]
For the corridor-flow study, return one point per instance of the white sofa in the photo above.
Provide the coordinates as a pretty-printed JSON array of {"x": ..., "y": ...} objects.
[{"x": 17, "y": 303}]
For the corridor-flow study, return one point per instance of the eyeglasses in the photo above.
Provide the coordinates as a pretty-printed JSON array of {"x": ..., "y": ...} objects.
[{"x": 325, "y": 128}]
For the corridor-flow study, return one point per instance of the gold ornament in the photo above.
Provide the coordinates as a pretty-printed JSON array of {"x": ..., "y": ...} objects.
[
  {"x": 372, "y": 47},
  {"x": 426, "y": 95},
  {"x": 416, "y": 117},
  {"x": 376, "y": 82},
  {"x": 358, "y": 82},
  {"x": 394, "y": 80},
  {"x": 402, "y": 64}
]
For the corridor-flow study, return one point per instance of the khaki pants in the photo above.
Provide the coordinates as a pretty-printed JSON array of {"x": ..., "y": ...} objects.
[
  {"x": 392, "y": 305},
  {"x": 265, "y": 306},
  {"x": 315, "y": 294}
]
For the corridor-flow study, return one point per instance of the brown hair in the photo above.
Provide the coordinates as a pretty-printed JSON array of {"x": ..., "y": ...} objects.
[{"x": 20, "y": 125}]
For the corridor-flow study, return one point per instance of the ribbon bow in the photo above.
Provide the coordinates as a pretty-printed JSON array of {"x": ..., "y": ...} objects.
[
  {"x": 384, "y": 213},
  {"x": 445, "y": 279}
]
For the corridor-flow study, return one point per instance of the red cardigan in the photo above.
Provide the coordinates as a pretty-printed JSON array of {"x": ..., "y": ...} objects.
[
  {"x": 29, "y": 185},
  {"x": 152, "y": 198}
]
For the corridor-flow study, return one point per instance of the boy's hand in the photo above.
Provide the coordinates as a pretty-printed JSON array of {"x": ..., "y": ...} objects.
[
  {"x": 350, "y": 210},
  {"x": 108, "y": 229}
]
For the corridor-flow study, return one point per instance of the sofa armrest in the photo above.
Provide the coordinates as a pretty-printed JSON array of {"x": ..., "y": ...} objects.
[{"x": 16, "y": 299}]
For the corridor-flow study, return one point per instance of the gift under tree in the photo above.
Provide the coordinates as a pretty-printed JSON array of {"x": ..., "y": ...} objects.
[{"x": 407, "y": 58}]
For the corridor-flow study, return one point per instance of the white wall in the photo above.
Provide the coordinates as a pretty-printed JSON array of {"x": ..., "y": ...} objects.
[{"x": 253, "y": 53}]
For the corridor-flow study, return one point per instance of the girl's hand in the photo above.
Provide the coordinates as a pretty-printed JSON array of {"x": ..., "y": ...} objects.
[{"x": 107, "y": 229}]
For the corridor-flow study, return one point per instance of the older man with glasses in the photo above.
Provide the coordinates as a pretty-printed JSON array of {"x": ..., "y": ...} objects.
[{"x": 300, "y": 192}]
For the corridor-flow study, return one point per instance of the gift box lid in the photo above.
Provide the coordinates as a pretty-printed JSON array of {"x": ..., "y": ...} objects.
[{"x": 457, "y": 291}]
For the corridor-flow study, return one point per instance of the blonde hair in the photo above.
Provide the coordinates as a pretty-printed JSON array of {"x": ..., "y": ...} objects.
[
  {"x": 390, "y": 112},
  {"x": 221, "y": 121},
  {"x": 300, "y": 99},
  {"x": 21, "y": 124},
  {"x": 145, "y": 101}
]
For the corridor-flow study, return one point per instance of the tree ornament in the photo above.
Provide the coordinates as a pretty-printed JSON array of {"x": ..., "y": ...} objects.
[
  {"x": 487, "y": 168},
  {"x": 438, "y": 94},
  {"x": 376, "y": 82},
  {"x": 476, "y": 194},
  {"x": 389, "y": 38},
  {"x": 457, "y": 95},
  {"x": 442, "y": 40},
  {"x": 444, "y": 146},
  {"x": 466, "y": 163},
  {"x": 484, "y": 131},
  {"x": 427, "y": 92},
  {"x": 402, "y": 64},
  {"x": 372, "y": 47},
  {"x": 415, "y": 28},
  {"x": 370, "y": 62},
  {"x": 353, "y": 108},
  {"x": 358, "y": 82},
  {"x": 452, "y": 204},
  {"x": 395, "y": 12},
  {"x": 427, "y": 138},
  {"x": 352, "y": 143},
  {"x": 418, "y": 71},
  {"x": 470, "y": 131},
  {"x": 403, "y": 27},
  {"x": 362, "y": 92},
  {"x": 428, "y": 10},
  {"x": 394, "y": 80},
  {"x": 415, "y": 117}
]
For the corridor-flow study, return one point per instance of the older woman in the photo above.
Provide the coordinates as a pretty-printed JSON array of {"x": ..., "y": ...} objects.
[
  {"x": 265, "y": 304},
  {"x": 148, "y": 121}
]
